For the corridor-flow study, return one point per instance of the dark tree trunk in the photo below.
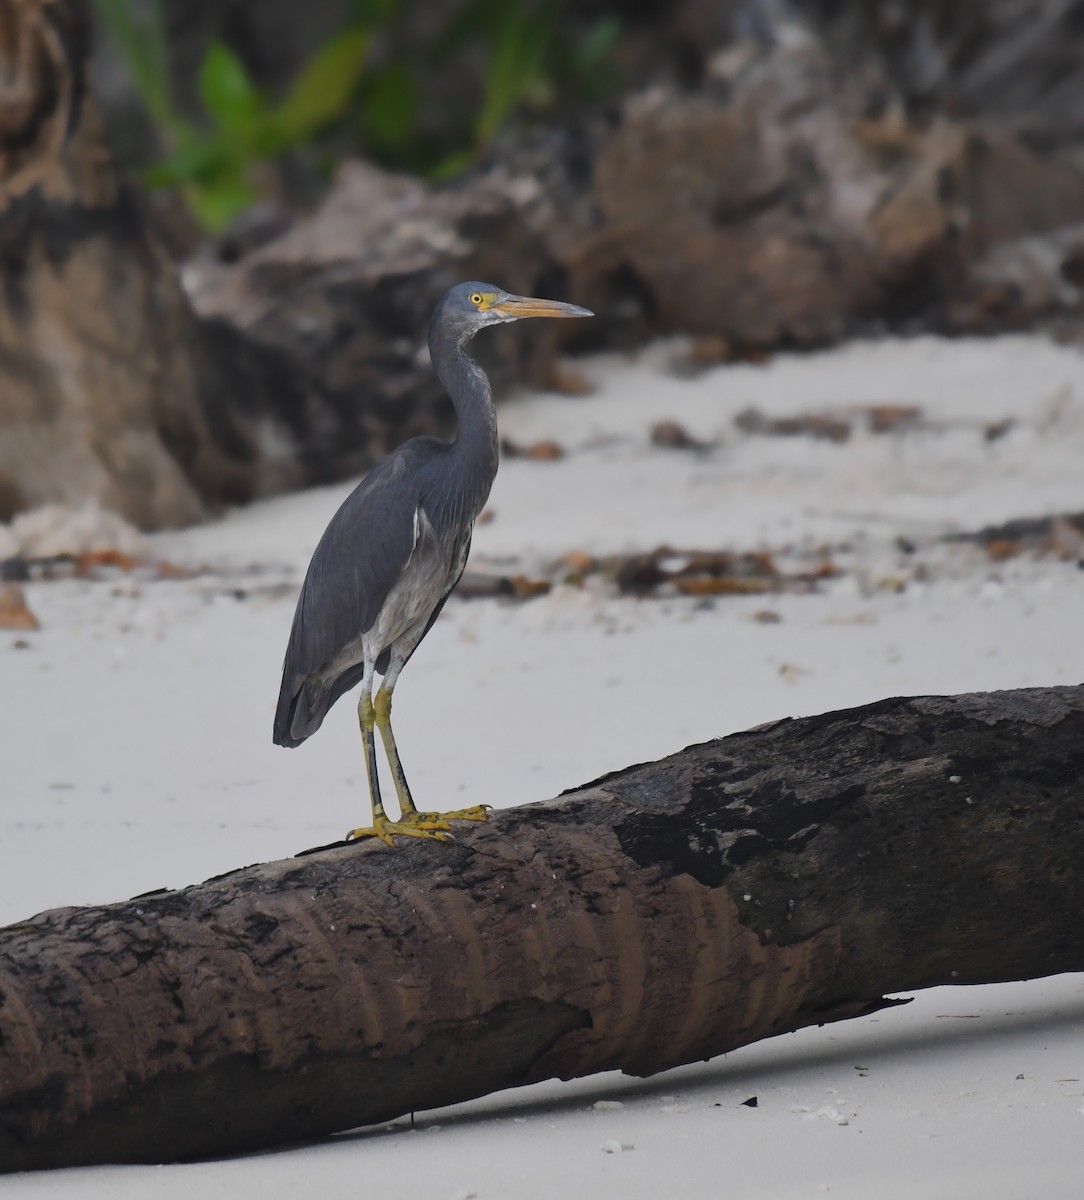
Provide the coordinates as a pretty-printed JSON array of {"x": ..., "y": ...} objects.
[
  {"x": 98, "y": 393},
  {"x": 790, "y": 875},
  {"x": 111, "y": 390}
]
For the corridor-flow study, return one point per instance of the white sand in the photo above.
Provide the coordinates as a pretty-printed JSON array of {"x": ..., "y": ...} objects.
[{"x": 138, "y": 755}]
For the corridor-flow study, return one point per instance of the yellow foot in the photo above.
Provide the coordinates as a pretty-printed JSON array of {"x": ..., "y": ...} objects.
[
  {"x": 480, "y": 812},
  {"x": 387, "y": 830},
  {"x": 433, "y": 825}
]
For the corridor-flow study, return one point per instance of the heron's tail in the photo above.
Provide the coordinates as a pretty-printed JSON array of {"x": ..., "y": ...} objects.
[
  {"x": 299, "y": 714},
  {"x": 303, "y": 704}
]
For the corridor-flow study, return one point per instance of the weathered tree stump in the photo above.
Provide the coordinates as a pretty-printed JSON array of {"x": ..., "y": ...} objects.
[
  {"x": 96, "y": 365},
  {"x": 790, "y": 875},
  {"x": 111, "y": 389}
]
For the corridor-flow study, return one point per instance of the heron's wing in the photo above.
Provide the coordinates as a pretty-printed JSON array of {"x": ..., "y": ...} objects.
[{"x": 355, "y": 565}]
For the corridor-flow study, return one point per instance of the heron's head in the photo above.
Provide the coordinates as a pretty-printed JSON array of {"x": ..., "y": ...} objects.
[{"x": 471, "y": 306}]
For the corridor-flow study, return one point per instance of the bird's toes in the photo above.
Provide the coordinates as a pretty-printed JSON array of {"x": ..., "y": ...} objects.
[
  {"x": 478, "y": 812},
  {"x": 381, "y": 832},
  {"x": 425, "y": 821}
]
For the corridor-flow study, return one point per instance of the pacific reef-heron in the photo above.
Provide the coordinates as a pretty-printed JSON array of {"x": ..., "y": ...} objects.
[{"x": 393, "y": 552}]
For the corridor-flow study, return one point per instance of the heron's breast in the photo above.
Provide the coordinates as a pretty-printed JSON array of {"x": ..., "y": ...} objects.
[{"x": 434, "y": 565}]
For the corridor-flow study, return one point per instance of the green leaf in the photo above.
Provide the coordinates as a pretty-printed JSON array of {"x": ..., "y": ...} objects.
[
  {"x": 468, "y": 26},
  {"x": 391, "y": 107},
  {"x": 451, "y": 167},
  {"x": 517, "y": 53},
  {"x": 196, "y": 159},
  {"x": 373, "y": 14},
  {"x": 216, "y": 205},
  {"x": 598, "y": 42},
  {"x": 324, "y": 87},
  {"x": 226, "y": 90}
]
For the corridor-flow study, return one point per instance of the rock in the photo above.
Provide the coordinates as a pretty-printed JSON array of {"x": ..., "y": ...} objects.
[
  {"x": 56, "y": 529},
  {"x": 1019, "y": 282},
  {"x": 980, "y": 228},
  {"x": 714, "y": 163},
  {"x": 770, "y": 209},
  {"x": 785, "y": 201},
  {"x": 740, "y": 210},
  {"x": 347, "y": 293},
  {"x": 805, "y": 171},
  {"x": 674, "y": 436}
]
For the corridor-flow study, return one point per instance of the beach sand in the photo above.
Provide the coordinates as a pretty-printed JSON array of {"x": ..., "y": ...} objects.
[{"x": 138, "y": 750}]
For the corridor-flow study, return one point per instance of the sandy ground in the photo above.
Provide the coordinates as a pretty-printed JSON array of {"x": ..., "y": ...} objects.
[{"x": 138, "y": 753}]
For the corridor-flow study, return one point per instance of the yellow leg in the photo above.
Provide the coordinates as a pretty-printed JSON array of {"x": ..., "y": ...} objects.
[
  {"x": 409, "y": 816},
  {"x": 381, "y": 827}
]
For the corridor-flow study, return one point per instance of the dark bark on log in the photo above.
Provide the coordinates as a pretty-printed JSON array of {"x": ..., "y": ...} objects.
[{"x": 790, "y": 875}]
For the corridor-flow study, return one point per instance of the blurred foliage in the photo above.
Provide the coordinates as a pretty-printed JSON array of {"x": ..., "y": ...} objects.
[
  {"x": 212, "y": 163},
  {"x": 529, "y": 63},
  {"x": 517, "y": 55}
]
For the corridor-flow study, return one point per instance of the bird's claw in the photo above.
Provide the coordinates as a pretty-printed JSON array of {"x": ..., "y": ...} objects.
[
  {"x": 387, "y": 831},
  {"x": 478, "y": 812},
  {"x": 433, "y": 825}
]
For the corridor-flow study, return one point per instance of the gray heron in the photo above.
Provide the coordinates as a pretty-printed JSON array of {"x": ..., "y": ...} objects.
[{"x": 391, "y": 555}]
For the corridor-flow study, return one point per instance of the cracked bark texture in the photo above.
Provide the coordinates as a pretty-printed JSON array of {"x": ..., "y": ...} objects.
[{"x": 794, "y": 874}]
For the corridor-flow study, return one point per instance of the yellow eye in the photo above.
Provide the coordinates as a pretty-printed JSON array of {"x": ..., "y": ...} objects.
[{"x": 476, "y": 298}]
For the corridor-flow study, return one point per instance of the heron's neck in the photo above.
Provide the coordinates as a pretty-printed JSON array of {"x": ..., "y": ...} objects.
[{"x": 475, "y": 444}]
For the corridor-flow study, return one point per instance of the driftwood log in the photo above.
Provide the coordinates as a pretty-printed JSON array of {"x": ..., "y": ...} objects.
[{"x": 790, "y": 875}]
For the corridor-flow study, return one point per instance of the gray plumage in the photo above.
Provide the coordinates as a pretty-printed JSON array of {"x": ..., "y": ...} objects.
[
  {"x": 363, "y": 553},
  {"x": 398, "y": 544}
]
